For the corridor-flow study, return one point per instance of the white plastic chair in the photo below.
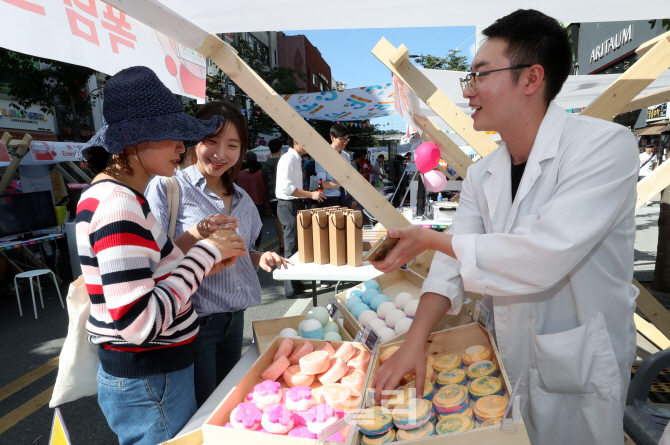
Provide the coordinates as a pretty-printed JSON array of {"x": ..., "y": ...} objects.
[{"x": 36, "y": 273}]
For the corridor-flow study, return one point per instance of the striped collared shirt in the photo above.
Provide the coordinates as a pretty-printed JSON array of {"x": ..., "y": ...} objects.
[{"x": 235, "y": 287}]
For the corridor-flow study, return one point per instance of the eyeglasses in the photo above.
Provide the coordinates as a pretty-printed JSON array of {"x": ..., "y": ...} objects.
[
  {"x": 471, "y": 79},
  {"x": 344, "y": 139}
]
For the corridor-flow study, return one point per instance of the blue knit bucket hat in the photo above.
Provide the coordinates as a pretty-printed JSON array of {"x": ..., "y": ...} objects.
[{"x": 139, "y": 108}]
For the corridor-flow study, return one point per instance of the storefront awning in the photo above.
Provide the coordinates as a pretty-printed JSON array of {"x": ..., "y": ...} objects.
[
  {"x": 649, "y": 131},
  {"x": 37, "y": 135}
]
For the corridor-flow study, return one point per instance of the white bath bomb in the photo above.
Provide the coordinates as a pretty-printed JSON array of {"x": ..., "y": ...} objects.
[
  {"x": 392, "y": 318},
  {"x": 410, "y": 308},
  {"x": 402, "y": 326},
  {"x": 331, "y": 326},
  {"x": 386, "y": 334},
  {"x": 318, "y": 313},
  {"x": 312, "y": 329},
  {"x": 384, "y": 309},
  {"x": 401, "y": 300},
  {"x": 288, "y": 332},
  {"x": 377, "y": 324},
  {"x": 366, "y": 316},
  {"x": 332, "y": 336}
]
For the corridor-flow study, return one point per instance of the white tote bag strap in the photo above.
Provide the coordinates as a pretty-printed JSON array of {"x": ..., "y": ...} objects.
[{"x": 172, "y": 188}]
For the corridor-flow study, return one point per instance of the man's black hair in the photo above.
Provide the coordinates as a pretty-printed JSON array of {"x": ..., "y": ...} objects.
[
  {"x": 338, "y": 131},
  {"x": 357, "y": 155},
  {"x": 274, "y": 145},
  {"x": 535, "y": 38}
]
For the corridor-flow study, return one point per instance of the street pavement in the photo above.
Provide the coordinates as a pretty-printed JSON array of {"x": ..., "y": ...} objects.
[{"x": 29, "y": 348}]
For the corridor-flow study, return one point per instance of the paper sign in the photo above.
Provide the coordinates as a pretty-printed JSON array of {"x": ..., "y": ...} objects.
[
  {"x": 512, "y": 416},
  {"x": 482, "y": 315},
  {"x": 333, "y": 308},
  {"x": 370, "y": 339}
]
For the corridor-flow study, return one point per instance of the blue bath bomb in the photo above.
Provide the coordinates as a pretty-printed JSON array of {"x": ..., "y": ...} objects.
[
  {"x": 377, "y": 300},
  {"x": 356, "y": 310},
  {"x": 312, "y": 329},
  {"x": 371, "y": 284},
  {"x": 352, "y": 301},
  {"x": 354, "y": 292},
  {"x": 368, "y": 294}
]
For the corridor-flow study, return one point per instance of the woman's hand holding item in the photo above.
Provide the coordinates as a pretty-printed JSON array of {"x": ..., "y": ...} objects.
[
  {"x": 409, "y": 358},
  {"x": 230, "y": 244},
  {"x": 212, "y": 223},
  {"x": 270, "y": 259}
]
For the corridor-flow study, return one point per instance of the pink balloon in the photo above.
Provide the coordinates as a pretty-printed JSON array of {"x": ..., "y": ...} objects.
[
  {"x": 434, "y": 180},
  {"x": 426, "y": 156}
]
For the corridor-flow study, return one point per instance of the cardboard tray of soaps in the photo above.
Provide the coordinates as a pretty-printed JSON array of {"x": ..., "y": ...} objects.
[
  {"x": 213, "y": 431},
  {"x": 265, "y": 331},
  {"x": 455, "y": 341}
]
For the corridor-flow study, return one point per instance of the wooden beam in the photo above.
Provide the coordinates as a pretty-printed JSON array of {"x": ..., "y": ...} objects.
[
  {"x": 631, "y": 83},
  {"x": 79, "y": 171},
  {"x": 449, "y": 151},
  {"x": 648, "y": 100},
  {"x": 653, "y": 310},
  {"x": 649, "y": 44},
  {"x": 434, "y": 98},
  {"x": 653, "y": 184},
  {"x": 651, "y": 333},
  {"x": 283, "y": 114},
  {"x": 21, "y": 147},
  {"x": 400, "y": 56}
]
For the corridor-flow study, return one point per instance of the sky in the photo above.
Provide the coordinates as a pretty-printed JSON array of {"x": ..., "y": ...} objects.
[{"x": 348, "y": 52}]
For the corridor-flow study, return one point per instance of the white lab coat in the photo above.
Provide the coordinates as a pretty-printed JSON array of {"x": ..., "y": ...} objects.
[{"x": 556, "y": 267}]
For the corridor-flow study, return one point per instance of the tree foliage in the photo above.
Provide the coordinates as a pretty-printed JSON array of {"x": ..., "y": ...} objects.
[
  {"x": 452, "y": 61},
  {"x": 48, "y": 84}
]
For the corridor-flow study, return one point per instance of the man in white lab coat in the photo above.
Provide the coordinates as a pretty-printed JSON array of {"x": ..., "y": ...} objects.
[{"x": 545, "y": 231}]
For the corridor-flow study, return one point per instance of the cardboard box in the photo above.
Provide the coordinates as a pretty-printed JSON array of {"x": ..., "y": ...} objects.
[
  {"x": 305, "y": 237},
  {"x": 265, "y": 331},
  {"x": 213, "y": 431},
  {"x": 455, "y": 341},
  {"x": 354, "y": 238},
  {"x": 320, "y": 236},
  {"x": 337, "y": 235}
]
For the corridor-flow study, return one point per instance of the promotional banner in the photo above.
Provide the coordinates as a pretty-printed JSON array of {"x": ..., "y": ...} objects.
[
  {"x": 94, "y": 34},
  {"x": 345, "y": 105}
]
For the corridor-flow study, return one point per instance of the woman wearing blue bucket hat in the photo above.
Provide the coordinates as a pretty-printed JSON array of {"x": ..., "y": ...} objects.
[{"x": 139, "y": 282}]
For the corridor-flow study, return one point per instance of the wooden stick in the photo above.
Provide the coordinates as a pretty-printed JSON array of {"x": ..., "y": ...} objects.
[
  {"x": 651, "y": 333},
  {"x": 649, "y": 44},
  {"x": 647, "y": 100},
  {"x": 653, "y": 184},
  {"x": 653, "y": 310},
  {"x": 449, "y": 151},
  {"x": 432, "y": 96},
  {"x": 281, "y": 112}
]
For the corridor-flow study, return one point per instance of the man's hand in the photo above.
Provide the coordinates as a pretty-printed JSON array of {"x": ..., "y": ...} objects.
[
  {"x": 406, "y": 359},
  {"x": 270, "y": 259},
  {"x": 212, "y": 223},
  {"x": 412, "y": 241},
  {"x": 317, "y": 196}
]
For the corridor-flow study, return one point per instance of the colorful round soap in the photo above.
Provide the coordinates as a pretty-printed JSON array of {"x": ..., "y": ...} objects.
[
  {"x": 467, "y": 413},
  {"x": 430, "y": 375},
  {"x": 482, "y": 368},
  {"x": 454, "y": 423},
  {"x": 425, "y": 430},
  {"x": 412, "y": 414},
  {"x": 451, "y": 399},
  {"x": 375, "y": 421},
  {"x": 490, "y": 422},
  {"x": 428, "y": 389},
  {"x": 485, "y": 386},
  {"x": 476, "y": 353},
  {"x": 387, "y": 437},
  {"x": 387, "y": 353},
  {"x": 447, "y": 362},
  {"x": 453, "y": 377},
  {"x": 490, "y": 407}
]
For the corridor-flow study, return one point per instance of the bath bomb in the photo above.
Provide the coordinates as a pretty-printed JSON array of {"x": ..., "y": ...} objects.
[
  {"x": 368, "y": 294},
  {"x": 318, "y": 313},
  {"x": 300, "y": 327},
  {"x": 386, "y": 334},
  {"x": 360, "y": 307},
  {"x": 371, "y": 284},
  {"x": 366, "y": 316},
  {"x": 391, "y": 319},
  {"x": 376, "y": 324},
  {"x": 354, "y": 292},
  {"x": 384, "y": 309},
  {"x": 402, "y": 325},
  {"x": 312, "y": 329},
  {"x": 401, "y": 299},
  {"x": 331, "y": 326},
  {"x": 377, "y": 300},
  {"x": 352, "y": 301},
  {"x": 332, "y": 336},
  {"x": 410, "y": 308},
  {"x": 288, "y": 332}
]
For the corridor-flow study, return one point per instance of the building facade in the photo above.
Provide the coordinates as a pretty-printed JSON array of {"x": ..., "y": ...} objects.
[{"x": 297, "y": 52}]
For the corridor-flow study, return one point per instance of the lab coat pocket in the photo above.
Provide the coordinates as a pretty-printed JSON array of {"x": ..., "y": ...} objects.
[
  {"x": 578, "y": 361},
  {"x": 524, "y": 223}
]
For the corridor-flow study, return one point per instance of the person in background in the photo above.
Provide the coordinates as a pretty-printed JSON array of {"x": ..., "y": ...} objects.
[
  {"x": 366, "y": 167},
  {"x": 140, "y": 283},
  {"x": 308, "y": 169},
  {"x": 356, "y": 160},
  {"x": 648, "y": 163},
  {"x": 250, "y": 179},
  {"x": 269, "y": 171},
  {"x": 205, "y": 188},
  {"x": 378, "y": 172},
  {"x": 334, "y": 193},
  {"x": 291, "y": 195}
]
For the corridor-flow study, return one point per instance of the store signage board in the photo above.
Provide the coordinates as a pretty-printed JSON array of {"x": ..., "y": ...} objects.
[{"x": 31, "y": 119}]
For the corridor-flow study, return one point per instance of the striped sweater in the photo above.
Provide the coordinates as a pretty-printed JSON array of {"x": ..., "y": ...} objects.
[{"x": 140, "y": 284}]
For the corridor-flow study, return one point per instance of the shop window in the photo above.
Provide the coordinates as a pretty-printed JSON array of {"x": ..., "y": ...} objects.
[{"x": 315, "y": 80}]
